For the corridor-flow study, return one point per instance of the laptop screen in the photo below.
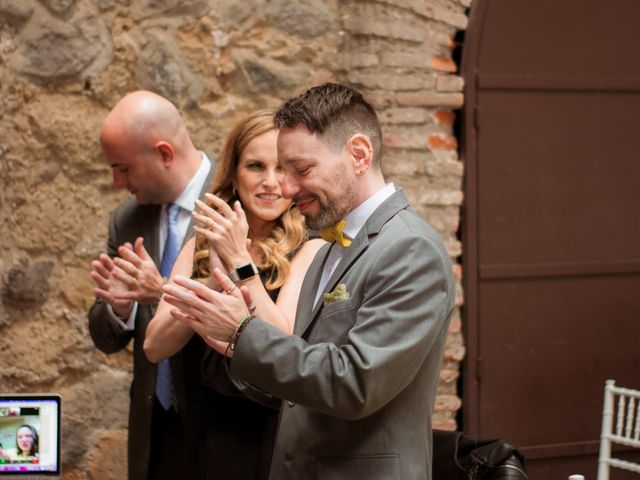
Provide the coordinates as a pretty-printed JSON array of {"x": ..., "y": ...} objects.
[{"x": 29, "y": 435}]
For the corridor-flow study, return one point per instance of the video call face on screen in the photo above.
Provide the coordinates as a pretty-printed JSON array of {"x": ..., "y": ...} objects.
[{"x": 29, "y": 435}]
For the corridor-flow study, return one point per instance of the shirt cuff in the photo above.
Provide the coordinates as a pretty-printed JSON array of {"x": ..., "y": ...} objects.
[{"x": 127, "y": 324}]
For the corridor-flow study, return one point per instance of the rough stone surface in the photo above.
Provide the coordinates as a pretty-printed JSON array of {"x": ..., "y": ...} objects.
[
  {"x": 75, "y": 289},
  {"x": 76, "y": 441},
  {"x": 65, "y": 63},
  {"x": 304, "y": 18},
  {"x": 78, "y": 44},
  {"x": 162, "y": 69},
  {"x": 15, "y": 12},
  {"x": 144, "y": 9},
  {"x": 28, "y": 283},
  {"x": 109, "y": 445},
  {"x": 84, "y": 399},
  {"x": 57, "y": 6}
]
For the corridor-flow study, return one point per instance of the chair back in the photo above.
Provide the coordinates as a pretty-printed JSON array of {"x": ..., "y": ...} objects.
[{"x": 626, "y": 431}]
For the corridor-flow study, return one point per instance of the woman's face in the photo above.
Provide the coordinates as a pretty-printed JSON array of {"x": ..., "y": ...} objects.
[
  {"x": 25, "y": 439},
  {"x": 259, "y": 180}
]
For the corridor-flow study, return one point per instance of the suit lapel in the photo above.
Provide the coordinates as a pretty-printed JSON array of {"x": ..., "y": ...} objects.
[
  {"x": 150, "y": 229},
  {"x": 359, "y": 245},
  {"x": 387, "y": 210},
  {"x": 206, "y": 188},
  {"x": 308, "y": 290}
]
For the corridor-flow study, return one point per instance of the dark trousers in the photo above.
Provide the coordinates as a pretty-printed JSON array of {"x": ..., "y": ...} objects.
[{"x": 173, "y": 454}]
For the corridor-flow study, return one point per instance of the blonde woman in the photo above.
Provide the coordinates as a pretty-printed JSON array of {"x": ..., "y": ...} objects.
[{"x": 245, "y": 227}]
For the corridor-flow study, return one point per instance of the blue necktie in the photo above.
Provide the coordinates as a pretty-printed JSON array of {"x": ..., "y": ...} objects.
[{"x": 164, "y": 384}]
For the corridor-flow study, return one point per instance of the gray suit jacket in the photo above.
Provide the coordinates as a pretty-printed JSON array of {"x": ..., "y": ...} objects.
[
  {"x": 360, "y": 375},
  {"x": 127, "y": 222}
]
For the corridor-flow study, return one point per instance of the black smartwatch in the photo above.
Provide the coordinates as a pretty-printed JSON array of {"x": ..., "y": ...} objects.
[{"x": 243, "y": 272}]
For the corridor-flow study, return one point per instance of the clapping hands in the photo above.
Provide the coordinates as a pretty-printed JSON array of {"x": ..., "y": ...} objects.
[
  {"x": 213, "y": 315},
  {"x": 225, "y": 228},
  {"x": 132, "y": 277}
]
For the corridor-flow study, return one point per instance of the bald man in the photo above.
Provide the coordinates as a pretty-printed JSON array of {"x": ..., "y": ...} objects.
[{"x": 146, "y": 143}]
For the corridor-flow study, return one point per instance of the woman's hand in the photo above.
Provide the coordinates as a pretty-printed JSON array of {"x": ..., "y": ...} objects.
[
  {"x": 213, "y": 315},
  {"x": 225, "y": 228},
  {"x": 214, "y": 262}
]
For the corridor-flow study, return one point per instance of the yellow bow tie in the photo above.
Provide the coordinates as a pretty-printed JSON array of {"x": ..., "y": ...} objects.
[{"x": 334, "y": 234}]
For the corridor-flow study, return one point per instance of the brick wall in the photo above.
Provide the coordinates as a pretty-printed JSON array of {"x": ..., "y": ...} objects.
[{"x": 399, "y": 52}]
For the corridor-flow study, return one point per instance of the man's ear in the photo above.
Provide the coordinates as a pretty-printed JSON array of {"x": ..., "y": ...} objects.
[
  {"x": 165, "y": 149},
  {"x": 361, "y": 150}
]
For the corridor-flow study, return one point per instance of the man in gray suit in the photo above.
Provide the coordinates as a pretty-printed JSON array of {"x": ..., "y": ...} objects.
[
  {"x": 151, "y": 154},
  {"x": 360, "y": 372}
]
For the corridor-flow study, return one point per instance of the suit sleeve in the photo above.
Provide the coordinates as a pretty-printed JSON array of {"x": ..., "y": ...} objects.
[
  {"x": 215, "y": 374},
  {"x": 107, "y": 335},
  {"x": 402, "y": 312}
]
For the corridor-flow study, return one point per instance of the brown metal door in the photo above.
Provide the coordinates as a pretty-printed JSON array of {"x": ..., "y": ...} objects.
[{"x": 551, "y": 224}]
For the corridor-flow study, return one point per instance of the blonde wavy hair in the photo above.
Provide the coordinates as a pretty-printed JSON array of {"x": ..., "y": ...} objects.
[{"x": 276, "y": 250}]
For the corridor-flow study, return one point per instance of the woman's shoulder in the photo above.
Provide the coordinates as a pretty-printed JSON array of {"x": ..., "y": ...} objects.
[
  {"x": 314, "y": 243},
  {"x": 309, "y": 249}
]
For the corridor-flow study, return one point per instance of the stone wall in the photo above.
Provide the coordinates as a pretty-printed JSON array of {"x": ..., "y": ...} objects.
[{"x": 64, "y": 64}]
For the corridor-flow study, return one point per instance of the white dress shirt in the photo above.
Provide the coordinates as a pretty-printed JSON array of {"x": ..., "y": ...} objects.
[
  {"x": 187, "y": 202},
  {"x": 355, "y": 220}
]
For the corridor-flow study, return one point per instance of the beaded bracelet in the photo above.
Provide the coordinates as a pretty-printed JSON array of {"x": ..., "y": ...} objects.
[{"x": 233, "y": 340}]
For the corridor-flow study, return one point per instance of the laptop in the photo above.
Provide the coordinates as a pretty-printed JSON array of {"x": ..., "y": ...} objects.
[{"x": 30, "y": 436}]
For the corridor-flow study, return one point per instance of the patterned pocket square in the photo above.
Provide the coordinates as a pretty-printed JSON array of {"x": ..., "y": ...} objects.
[{"x": 338, "y": 295}]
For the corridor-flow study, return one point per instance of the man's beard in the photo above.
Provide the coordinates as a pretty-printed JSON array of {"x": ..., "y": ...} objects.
[
  {"x": 328, "y": 215},
  {"x": 332, "y": 210}
]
